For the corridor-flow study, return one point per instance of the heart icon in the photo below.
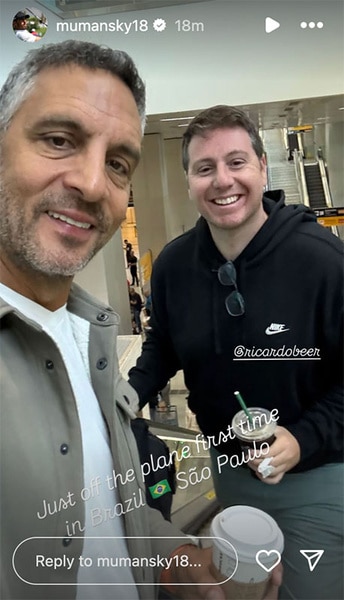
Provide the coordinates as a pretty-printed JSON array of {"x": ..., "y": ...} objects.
[{"x": 266, "y": 554}]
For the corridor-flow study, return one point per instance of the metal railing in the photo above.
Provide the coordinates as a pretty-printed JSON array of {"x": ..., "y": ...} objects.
[
  {"x": 300, "y": 176},
  {"x": 324, "y": 181},
  {"x": 326, "y": 187}
]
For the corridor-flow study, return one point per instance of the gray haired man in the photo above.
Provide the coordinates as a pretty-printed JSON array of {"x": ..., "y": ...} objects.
[{"x": 72, "y": 117}]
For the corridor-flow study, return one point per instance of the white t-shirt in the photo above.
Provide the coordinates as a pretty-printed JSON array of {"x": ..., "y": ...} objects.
[
  {"x": 25, "y": 35},
  {"x": 71, "y": 335}
]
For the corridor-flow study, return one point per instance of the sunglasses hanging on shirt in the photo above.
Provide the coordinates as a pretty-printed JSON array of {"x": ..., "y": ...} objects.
[{"x": 235, "y": 304}]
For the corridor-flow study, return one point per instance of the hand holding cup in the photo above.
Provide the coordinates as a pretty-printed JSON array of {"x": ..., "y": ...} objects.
[
  {"x": 247, "y": 548},
  {"x": 284, "y": 454}
]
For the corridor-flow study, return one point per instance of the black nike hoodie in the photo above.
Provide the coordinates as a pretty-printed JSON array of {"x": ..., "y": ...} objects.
[{"x": 284, "y": 352}]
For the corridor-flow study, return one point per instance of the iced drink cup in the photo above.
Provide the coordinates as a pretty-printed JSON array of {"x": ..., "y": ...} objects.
[
  {"x": 256, "y": 433},
  {"x": 239, "y": 533}
]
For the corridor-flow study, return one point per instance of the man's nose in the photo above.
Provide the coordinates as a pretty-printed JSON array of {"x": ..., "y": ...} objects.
[
  {"x": 87, "y": 176},
  {"x": 223, "y": 177}
]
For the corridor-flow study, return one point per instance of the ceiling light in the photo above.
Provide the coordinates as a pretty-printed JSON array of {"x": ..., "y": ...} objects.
[{"x": 177, "y": 119}]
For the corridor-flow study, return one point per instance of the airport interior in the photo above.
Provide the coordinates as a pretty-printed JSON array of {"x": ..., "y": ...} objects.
[{"x": 302, "y": 128}]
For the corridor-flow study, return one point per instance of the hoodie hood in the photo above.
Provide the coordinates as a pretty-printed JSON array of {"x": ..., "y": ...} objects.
[{"x": 282, "y": 220}]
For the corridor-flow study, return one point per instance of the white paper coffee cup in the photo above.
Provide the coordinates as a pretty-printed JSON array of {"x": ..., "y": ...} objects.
[{"x": 239, "y": 533}]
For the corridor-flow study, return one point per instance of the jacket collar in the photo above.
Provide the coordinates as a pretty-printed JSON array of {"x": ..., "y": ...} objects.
[
  {"x": 90, "y": 308},
  {"x": 80, "y": 303}
]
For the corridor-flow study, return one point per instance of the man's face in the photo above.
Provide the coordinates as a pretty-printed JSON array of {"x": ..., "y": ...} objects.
[
  {"x": 20, "y": 24},
  {"x": 67, "y": 160},
  {"x": 226, "y": 178}
]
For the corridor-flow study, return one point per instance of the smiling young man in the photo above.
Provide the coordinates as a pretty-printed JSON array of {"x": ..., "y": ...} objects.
[
  {"x": 265, "y": 283},
  {"x": 71, "y": 124},
  {"x": 213, "y": 172}
]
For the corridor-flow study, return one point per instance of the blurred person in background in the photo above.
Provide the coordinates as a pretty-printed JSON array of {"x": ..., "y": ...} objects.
[
  {"x": 132, "y": 263},
  {"x": 136, "y": 308},
  {"x": 127, "y": 248}
]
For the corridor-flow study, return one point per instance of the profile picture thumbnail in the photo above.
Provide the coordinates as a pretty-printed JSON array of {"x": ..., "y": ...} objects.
[{"x": 30, "y": 25}]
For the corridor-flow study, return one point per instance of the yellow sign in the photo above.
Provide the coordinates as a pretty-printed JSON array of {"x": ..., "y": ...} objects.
[
  {"x": 146, "y": 267},
  {"x": 331, "y": 221},
  {"x": 301, "y": 128},
  {"x": 330, "y": 216}
]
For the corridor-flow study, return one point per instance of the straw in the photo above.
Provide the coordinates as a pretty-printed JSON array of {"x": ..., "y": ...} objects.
[{"x": 243, "y": 406}]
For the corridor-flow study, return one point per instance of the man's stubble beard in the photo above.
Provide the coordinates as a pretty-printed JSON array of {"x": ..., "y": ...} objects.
[{"x": 18, "y": 242}]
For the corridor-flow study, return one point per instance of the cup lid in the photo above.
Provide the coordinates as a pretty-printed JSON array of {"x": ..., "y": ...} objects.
[
  {"x": 262, "y": 428},
  {"x": 249, "y": 530}
]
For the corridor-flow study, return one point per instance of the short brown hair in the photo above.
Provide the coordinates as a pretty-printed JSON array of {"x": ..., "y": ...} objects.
[{"x": 220, "y": 117}]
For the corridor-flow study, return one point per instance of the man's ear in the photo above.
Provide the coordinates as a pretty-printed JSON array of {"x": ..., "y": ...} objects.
[
  {"x": 187, "y": 181},
  {"x": 263, "y": 168},
  {"x": 262, "y": 161}
]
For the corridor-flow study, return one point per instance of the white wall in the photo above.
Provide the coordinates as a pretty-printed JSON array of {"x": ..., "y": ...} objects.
[
  {"x": 334, "y": 151},
  {"x": 149, "y": 189},
  {"x": 105, "y": 278},
  {"x": 180, "y": 212}
]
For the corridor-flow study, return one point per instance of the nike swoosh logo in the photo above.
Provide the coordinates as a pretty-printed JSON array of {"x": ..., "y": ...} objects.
[{"x": 274, "y": 331}]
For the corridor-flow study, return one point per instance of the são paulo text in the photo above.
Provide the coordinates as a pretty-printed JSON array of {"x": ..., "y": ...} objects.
[{"x": 194, "y": 476}]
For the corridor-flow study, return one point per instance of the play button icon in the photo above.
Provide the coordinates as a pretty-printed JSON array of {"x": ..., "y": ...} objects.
[{"x": 271, "y": 24}]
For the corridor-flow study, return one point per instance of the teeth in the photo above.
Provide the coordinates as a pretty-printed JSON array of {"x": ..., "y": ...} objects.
[
  {"x": 69, "y": 220},
  {"x": 226, "y": 201}
]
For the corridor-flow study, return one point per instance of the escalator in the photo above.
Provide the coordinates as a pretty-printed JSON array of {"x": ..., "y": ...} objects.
[
  {"x": 312, "y": 178},
  {"x": 314, "y": 182}
]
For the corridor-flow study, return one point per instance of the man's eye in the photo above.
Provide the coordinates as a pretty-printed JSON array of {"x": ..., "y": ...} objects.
[
  {"x": 57, "y": 141},
  {"x": 237, "y": 163},
  {"x": 204, "y": 170},
  {"x": 119, "y": 167}
]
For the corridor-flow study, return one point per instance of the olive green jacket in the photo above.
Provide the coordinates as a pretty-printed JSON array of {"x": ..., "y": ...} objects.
[{"x": 41, "y": 455}]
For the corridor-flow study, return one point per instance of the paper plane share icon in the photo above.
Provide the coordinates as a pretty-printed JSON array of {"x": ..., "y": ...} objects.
[{"x": 312, "y": 557}]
